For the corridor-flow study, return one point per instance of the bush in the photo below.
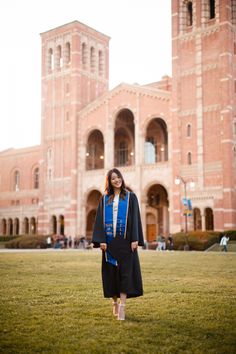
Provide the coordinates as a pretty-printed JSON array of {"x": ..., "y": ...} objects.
[
  {"x": 28, "y": 242},
  {"x": 7, "y": 238},
  {"x": 195, "y": 240},
  {"x": 231, "y": 234}
]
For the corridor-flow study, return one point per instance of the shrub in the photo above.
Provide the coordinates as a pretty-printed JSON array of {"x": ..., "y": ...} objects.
[
  {"x": 28, "y": 242},
  {"x": 7, "y": 238},
  {"x": 195, "y": 240},
  {"x": 231, "y": 234}
]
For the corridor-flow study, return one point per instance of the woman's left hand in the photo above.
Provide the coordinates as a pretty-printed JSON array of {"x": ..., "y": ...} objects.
[{"x": 134, "y": 245}]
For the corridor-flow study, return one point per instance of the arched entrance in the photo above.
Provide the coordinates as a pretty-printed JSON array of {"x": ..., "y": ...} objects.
[
  {"x": 26, "y": 226},
  {"x": 124, "y": 138},
  {"x": 95, "y": 151},
  {"x": 156, "y": 142},
  {"x": 32, "y": 226},
  {"x": 92, "y": 204},
  {"x": 197, "y": 219},
  {"x": 16, "y": 226},
  {"x": 53, "y": 225},
  {"x": 4, "y": 227},
  {"x": 61, "y": 223},
  {"x": 10, "y": 227},
  {"x": 157, "y": 214},
  {"x": 209, "y": 219}
]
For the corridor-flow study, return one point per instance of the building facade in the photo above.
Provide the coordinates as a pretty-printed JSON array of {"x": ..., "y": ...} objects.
[{"x": 165, "y": 137}]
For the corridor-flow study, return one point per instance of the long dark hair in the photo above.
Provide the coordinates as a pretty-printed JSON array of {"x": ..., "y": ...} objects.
[{"x": 109, "y": 190}]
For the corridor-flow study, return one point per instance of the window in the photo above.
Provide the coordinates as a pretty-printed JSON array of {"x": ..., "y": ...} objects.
[
  {"x": 122, "y": 153},
  {"x": 189, "y": 130},
  {"x": 100, "y": 63},
  {"x": 189, "y": 158},
  {"x": 50, "y": 60},
  {"x": 59, "y": 60},
  {"x": 36, "y": 178},
  {"x": 92, "y": 59},
  {"x": 84, "y": 55},
  {"x": 67, "y": 53},
  {"x": 16, "y": 181},
  {"x": 49, "y": 174},
  {"x": 189, "y": 13},
  {"x": 212, "y": 8}
]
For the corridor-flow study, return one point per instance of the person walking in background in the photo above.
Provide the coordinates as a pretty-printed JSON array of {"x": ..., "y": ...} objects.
[
  {"x": 170, "y": 242},
  {"x": 49, "y": 242},
  {"x": 118, "y": 233},
  {"x": 224, "y": 242}
]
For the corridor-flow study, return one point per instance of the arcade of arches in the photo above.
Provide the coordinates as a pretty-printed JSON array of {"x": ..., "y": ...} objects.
[
  {"x": 155, "y": 146},
  {"x": 157, "y": 217}
]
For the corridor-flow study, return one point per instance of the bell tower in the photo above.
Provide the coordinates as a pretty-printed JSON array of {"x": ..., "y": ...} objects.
[
  {"x": 204, "y": 106},
  {"x": 75, "y": 71}
]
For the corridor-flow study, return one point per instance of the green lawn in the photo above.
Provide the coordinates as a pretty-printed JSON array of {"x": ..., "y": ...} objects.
[{"x": 52, "y": 302}]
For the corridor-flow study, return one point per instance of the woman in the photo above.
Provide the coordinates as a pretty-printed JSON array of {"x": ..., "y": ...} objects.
[{"x": 118, "y": 233}]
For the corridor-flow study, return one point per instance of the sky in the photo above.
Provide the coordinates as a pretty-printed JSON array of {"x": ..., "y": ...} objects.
[{"x": 140, "y": 52}]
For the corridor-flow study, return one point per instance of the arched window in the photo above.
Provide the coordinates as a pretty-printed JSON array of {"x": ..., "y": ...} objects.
[
  {"x": 59, "y": 60},
  {"x": 189, "y": 130},
  {"x": 50, "y": 60},
  {"x": 36, "y": 178},
  {"x": 209, "y": 219},
  {"x": 100, "y": 63},
  {"x": 197, "y": 220},
  {"x": 4, "y": 227},
  {"x": 212, "y": 8},
  {"x": 67, "y": 53},
  {"x": 16, "y": 182},
  {"x": 189, "y": 13},
  {"x": 124, "y": 149},
  {"x": 95, "y": 151},
  {"x": 84, "y": 55},
  {"x": 92, "y": 59},
  {"x": 189, "y": 158},
  {"x": 156, "y": 142},
  {"x": 16, "y": 226}
]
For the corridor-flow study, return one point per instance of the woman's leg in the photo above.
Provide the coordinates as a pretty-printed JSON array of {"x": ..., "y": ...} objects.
[
  {"x": 115, "y": 306},
  {"x": 121, "y": 313}
]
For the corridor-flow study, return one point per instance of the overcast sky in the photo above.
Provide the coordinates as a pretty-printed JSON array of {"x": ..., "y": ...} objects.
[{"x": 140, "y": 52}]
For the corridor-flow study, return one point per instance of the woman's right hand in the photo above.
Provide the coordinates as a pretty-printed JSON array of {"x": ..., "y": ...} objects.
[{"x": 103, "y": 246}]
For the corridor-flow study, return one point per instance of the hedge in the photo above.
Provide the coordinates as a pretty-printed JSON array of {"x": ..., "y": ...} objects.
[
  {"x": 195, "y": 240},
  {"x": 7, "y": 238},
  {"x": 28, "y": 242}
]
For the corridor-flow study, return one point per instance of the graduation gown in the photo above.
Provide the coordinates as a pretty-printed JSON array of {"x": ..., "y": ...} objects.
[{"x": 126, "y": 276}]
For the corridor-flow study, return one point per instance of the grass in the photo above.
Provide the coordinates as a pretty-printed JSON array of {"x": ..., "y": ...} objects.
[{"x": 52, "y": 302}]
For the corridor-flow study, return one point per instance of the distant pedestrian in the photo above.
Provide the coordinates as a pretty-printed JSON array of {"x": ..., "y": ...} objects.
[
  {"x": 49, "y": 242},
  {"x": 170, "y": 242},
  {"x": 224, "y": 242},
  {"x": 70, "y": 241}
]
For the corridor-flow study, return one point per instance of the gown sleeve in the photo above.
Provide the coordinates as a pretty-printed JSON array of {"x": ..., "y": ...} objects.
[
  {"x": 99, "y": 235},
  {"x": 136, "y": 224}
]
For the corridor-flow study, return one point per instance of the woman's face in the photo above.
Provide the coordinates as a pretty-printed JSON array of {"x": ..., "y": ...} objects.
[{"x": 116, "y": 181}]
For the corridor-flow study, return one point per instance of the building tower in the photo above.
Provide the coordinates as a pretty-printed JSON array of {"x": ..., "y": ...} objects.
[
  {"x": 75, "y": 71},
  {"x": 204, "y": 109}
]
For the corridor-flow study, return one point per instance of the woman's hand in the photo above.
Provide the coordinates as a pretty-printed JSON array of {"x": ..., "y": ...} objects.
[
  {"x": 134, "y": 245},
  {"x": 103, "y": 246}
]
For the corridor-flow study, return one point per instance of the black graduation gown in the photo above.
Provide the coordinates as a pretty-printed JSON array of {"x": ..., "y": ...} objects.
[{"x": 126, "y": 277}]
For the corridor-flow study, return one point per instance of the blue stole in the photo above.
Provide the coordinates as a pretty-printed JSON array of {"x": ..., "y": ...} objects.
[{"x": 122, "y": 215}]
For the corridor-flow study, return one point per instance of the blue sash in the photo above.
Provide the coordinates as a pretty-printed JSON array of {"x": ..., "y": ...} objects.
[{"x": 122, "y": 214}]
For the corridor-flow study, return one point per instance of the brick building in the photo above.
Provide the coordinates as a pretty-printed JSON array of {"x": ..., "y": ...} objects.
[{"x": 164, "y": 136}]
